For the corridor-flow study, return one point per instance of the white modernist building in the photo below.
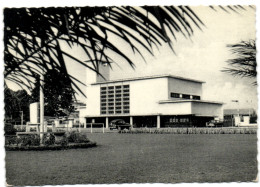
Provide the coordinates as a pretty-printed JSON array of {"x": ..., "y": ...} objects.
[{"x": 152, "y": 101}]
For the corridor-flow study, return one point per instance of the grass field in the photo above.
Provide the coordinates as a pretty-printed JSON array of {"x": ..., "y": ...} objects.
[{"x": 140, "y": 158}]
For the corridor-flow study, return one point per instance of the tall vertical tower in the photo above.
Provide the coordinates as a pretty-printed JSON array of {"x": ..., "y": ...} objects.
[{"x": 93, "y": 77}]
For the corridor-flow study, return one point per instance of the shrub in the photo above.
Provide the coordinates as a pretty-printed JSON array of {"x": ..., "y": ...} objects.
[
  {"x": 49, "y": 139},
  {"x": 192, "y": 131},
  {"x": 9, "y": 130},
  {"x": 30, "y": 140},
  {"x": 77, "y": 137}
]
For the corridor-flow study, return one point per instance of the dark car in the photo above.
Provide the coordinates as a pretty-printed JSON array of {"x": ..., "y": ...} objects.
[{"x": 119, "y": 124}]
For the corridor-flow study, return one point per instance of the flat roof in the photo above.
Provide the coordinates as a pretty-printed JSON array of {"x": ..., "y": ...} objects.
[
  {"x": 188, "y": 100},
  {"x": 148, "y": 77}
]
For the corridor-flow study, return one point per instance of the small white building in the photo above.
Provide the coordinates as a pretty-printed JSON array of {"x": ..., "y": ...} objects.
[{"x": 152, "y": 101}]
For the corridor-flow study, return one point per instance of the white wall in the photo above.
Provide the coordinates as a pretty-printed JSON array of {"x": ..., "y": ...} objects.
[
  {"x": 182, "y": 108},
  {"x": 184, "y": 86},
  {"x": 93, "y": 100},
  {"x": 207, "y": 109},
  {"x": 35, "y": 112},
  {"x": 145, "y": 94}
]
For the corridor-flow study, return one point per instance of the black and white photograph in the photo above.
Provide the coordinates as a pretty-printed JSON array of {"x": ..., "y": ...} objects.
[{"x": 123, "y": 94}]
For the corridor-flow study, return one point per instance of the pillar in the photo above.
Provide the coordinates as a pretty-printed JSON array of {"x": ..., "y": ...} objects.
[
  {"x": 131, "y": 121},
  {"x": 158, "y": 122},
  {"x": 41, "y": 108},
  {"x": 107, "y": 123}
]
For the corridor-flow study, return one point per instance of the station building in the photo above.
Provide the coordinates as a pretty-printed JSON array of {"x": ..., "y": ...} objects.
[{"x": 152, "y": 101}]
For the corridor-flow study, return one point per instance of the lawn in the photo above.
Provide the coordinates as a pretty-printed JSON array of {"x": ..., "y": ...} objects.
[{"x": 140, "y": 158}]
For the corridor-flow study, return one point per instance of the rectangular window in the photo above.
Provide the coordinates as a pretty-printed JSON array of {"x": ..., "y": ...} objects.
[
  {"x": 185, "y": 96},
  {"x": 111, "y": 112},
  {"x": 175, "y": 95},
  {"x": 111, "y": 108},
  {"x": 118, "y": 95},
  {"x": 110, "y": 96},
  {"x": 118, "y": 99},
  {"x": 126, "y": 86},
  {"x": 118, "y": 103},
  {"x": 103, "y": 100},
  {"x": 111, "y": 91},
  {"x": 103, "y": 104},
  {"x": 118, "y": 108},
  {"x": 126, "y": 107},
  {"x": 103, "y": 88},
  {"x": 110, "y": 104},
  {"x": 118, "y": 112},
  {"x": 126, "y": 111},
  {"x": 118, "y": 91},
  {"x": 118, "y": 87},
  {"x": 103, "y": 92},
  {"x": 111, "y": 100},
  {"x": 126, "y": 99},
  {"x": 126, "y": 95},
  {"x": 111, "y": 87},
  {"x": 126, "y": 103},
  {"x": 103, "y": 112},
  {"x": 196, "y": 97},
  {"x": 103, "y": 108}
]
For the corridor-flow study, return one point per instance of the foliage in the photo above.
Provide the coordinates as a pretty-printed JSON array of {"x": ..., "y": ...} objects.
[
  {"x": 244, "y": 64},
  {"x": 15, "y": 102},
  {"x": 191, "y": 131},
  {"x": 77, "y": 137},
  {"x": 25, "y": 140},
  {"x": 9, "y": 129},
  {"x": 33, "y": 36},
  {"x": 49, "y": 139},
  {"x": 58, "y": 93}
]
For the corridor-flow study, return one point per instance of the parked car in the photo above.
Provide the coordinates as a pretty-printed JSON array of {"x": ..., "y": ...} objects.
[
  {"x": 214, "y": 123},
  {"x": 119, "y": 124}
]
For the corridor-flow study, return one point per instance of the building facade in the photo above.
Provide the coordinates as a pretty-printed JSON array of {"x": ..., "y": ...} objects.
[{"x": 152, "y": 101}]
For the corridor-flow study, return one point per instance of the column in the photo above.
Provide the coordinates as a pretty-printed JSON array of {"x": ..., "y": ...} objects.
[
  {"x": 131, "y": 121},
  {"x": 41, "y": 108},
  {"x": 106, "y": 122},
  {"x": 158, "y": 122}
]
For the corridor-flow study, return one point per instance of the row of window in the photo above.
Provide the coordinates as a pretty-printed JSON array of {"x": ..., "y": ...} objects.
[
  {"x": 116, "y": 87},
  {"x": 117, "y": 108},
  {"x": 177, "y": 120},
  {"x": 103, "y": 92},
  {"x": 117, "y": 95},
  {"x": 115, "y": 99},
  {"x": 185, "y": 96}
]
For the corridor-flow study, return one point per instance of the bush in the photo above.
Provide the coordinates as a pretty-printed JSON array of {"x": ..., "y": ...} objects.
[
  {"x": 204, "y": 130},
  {"x": 9, "y": 130},
  {"x": 29, "y": 140},
  {"x": 49, "y": 139},
  {"x": 77, "y": 137}
]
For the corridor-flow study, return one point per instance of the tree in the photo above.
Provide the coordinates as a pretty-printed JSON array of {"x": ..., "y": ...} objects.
[
  {"x": 33, "y": 36},
  {"x": 15, "y": 103},
  {"x": 58, "y": 94},
  {"x": 244, "y": 63}
]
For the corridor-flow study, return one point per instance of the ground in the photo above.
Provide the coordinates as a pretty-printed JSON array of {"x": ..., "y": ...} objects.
[{"x": 140, "y": 158}]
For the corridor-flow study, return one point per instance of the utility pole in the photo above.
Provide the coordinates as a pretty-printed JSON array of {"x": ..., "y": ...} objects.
[{"x": 41, "y": 107}]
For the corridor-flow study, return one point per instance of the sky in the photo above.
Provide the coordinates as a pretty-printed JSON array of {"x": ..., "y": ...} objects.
[{"x": 201, "y": 57}]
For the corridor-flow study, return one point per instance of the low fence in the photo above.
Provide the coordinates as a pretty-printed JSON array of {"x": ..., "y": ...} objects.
[{"x": 224, "y": 130}]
